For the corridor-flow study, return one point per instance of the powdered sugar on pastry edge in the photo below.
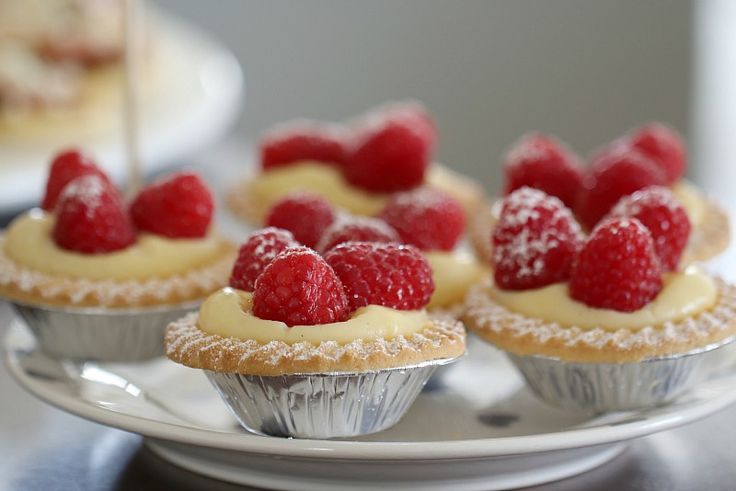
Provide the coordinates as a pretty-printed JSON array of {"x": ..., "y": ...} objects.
[
  {"x": 25, "y": 285},
  {"x": 185, "y": 343},
  {"x": 527, "y": 336}
]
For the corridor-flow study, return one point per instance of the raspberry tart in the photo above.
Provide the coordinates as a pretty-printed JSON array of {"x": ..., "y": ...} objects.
[
  {"x": 429, "y": 219},
  {"x": 317, "y": 346},
  {"x": 357, "y": 166},
  {"x": 95, "y": 278},
  {"x": 653, "y": 155},
  {"x": 603, "y": 322}
]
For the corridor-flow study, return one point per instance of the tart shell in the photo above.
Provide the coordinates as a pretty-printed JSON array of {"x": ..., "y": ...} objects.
[
  {"x": 20, "y": 284},
  {"x": 187, "y": 344},
  {"x": 522, "y": 335}
]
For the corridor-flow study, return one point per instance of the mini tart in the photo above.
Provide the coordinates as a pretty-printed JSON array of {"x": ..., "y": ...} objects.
[
  {"x": 523, "y": 335},
  {"x": 709, "y": 237},
  {"x": 23, "y": 285},
  {"x": 469, "y": 193},
  {"x": 187, "y": 344}
]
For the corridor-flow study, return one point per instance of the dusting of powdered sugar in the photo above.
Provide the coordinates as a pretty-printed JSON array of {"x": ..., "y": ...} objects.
[
  {"x": 193, "y": 284},
  {"x": 489, "y": 316}
]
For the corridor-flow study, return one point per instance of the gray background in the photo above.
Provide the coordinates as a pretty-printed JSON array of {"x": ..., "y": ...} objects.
[{"x": 586, "y": 70}]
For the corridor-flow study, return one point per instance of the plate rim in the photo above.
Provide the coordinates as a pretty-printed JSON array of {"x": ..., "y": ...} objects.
[{"x": 481, "y": 448}]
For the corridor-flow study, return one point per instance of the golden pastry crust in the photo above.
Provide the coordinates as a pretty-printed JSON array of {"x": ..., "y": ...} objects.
[
  {"x": 24, "y": 285},
  {"x": 708, "y": 239},
  {"x": 185, "y": 343},
  {"x": 522, "y": 335},
  {"x": 470, "y": 194}
]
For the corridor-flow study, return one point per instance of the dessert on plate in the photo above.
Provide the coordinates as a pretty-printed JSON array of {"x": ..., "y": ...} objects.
[
  {"x": 318, "y": 347},
  {"x": 357, "y": 166},
  {"x": 604, "y": 322},
  {"x": 653, "y": 155},
  {"x": 429, "y": 219},
  {"x": 94, "y": 278}
]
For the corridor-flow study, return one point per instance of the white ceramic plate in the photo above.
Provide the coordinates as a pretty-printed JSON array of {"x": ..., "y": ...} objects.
[
  {"x": 474, "y": 427},
  {"x": 190, "y": 95}
]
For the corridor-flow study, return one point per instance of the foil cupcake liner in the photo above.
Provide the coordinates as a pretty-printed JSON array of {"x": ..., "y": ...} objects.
[
  {"x": 322, "y": 405},
  {"x": 608, "y": 387},
  {"x": 100, "y": 334}
]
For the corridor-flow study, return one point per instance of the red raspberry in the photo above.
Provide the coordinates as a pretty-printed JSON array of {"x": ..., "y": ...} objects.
[
  {"x": 299, "y": 288},
  {"x": 66, "y": 167},
  {"x": 427, "y": 218},
  {"x": 261, "y": 247},
  {"x": 617, "y": 268},
  {"x": 534, "y": 242},
  {"x": 356, "y": 229},
  {"x": 302, "y": 140},
  {"x": 664, "y": 146},
  {"x": 305, "y": 215},
  {"x": 545, "y": 163},
  {"x": 615, "y": 172},
  {"x": 392, "y": 149},
  {"x": 660, "y": 212},
  {"x": 392, "y": 275},
  {"x": 91, "y": 217},
  {"x": 178, "y": 206}
]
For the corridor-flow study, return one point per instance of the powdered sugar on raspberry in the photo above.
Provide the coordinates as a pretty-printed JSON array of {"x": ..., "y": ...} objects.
[
  {"x": 88, "y": 190},
  {"x": 532, "y": 228}
]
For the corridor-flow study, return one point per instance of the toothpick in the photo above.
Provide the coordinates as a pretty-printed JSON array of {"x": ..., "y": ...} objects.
[{"x": 131, "y": 79}]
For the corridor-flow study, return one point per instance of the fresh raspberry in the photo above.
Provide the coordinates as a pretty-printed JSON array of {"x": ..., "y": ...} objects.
[
  {"x": 305, "y": 215},
  {"x": 617, "y": 268},
  {"x": 66, "y": 167},
  {"x": 392, "y": 275},
  {"x": 534, "y": 242},
  {"x": 427, "y": 218},
  {"x": 545, "y": 163},
  {"x": 615, "y": 172},
  {"x": 660, "y": 212},
  {"x": 392, "y": 148},
  {"x": 261, "y": 247},
  {"x": 91, "y": 217},
  {"x": 302, "y": 140},
  {"x": 300, "y": 288},
  {"x": 356, "y": 229},
  {"x": 664, "y": 146},
  {"x": 178, "y": 206}
]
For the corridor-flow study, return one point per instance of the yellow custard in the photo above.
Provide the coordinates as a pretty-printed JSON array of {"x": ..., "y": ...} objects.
[
  {"x": 327, "y": 181},
  {"x": 691, "y": 200},
  {"x": 453, "y": 274},
  {"x": 227, "y": 312},
  {"x": 322, "y": 179},
  {"x": 28, "y": 242},
  {"x": 684, "y": 295}
]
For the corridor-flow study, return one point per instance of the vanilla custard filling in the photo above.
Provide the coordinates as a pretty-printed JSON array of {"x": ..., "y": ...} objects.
[
  {"x": 29, "y": 242},
  {"x": 228, "y": 313},
  {"x": 327, "y": 181},
  {"x": 684, "y": 294},
  {"x": 690, "y": 199},
  {"x": 322, "y": 179},
  {"x": 453, "y": 274}
]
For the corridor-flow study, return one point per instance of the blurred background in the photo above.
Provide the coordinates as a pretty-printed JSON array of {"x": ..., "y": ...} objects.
[{"x": 488, "y": 70}]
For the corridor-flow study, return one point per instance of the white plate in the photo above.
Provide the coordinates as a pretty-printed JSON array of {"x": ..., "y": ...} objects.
[
  {"x": 474, "y": 427},
  {"x": 191, "y": 95}
]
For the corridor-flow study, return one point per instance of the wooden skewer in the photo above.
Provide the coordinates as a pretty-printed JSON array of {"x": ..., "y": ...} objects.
[{"x": 131, "y": 31}]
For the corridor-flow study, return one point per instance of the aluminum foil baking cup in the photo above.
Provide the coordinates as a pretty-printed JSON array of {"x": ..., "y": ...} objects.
[
  {"x": 323, "y": 405},
  {"x": 606, "y": 387},
  {"x": 101, "y": 334}
]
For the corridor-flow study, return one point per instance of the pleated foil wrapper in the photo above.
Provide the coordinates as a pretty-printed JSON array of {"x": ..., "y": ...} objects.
[
  {"x": 323, "y": 405},
  {"x": 99, "y": 334},
  {"x": 607, "y": 387}
]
